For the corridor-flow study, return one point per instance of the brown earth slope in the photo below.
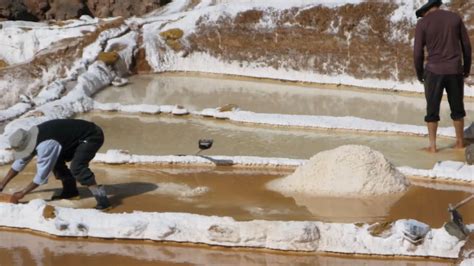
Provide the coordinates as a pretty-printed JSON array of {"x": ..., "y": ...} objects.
[
  {"x": 357, "y": 40},
  {"x": 36, "y": 10}
]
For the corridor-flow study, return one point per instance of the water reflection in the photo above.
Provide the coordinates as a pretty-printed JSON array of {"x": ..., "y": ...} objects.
[
  {"x": 164, "y": 135},
  {"x": 198, "y": 92},
  {"x": 27, "y": 249}
]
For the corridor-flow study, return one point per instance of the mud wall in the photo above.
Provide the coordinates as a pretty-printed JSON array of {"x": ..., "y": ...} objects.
[
  {"x": 359, "y": 40},
  {"x": 36, "y": 10}
]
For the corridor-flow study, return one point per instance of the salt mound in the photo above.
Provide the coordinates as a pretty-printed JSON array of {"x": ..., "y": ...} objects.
[{"x": 348, "y": 171}]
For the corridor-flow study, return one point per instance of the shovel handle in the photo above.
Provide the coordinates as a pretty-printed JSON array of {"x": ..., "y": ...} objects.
[{"x": 466, "y": 200}]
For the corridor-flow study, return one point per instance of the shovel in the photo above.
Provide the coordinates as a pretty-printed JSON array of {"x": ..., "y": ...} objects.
[{"x": 456, "y": 226}]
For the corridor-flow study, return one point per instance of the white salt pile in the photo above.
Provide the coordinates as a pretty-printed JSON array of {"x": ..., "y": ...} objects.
[{"x": 347, "y": 171}]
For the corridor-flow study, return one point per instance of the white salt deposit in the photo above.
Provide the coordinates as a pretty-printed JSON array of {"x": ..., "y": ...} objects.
[
  {"x": 349, "y": 171},
  {"x": 181, "y": 191}
]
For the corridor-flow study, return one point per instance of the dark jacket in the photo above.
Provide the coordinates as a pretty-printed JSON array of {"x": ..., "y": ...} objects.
[{"x": 446, "y": 39}]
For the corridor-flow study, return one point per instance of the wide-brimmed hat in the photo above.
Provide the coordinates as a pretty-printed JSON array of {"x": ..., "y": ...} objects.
[
  {"x": 23, "y": 142},
  {"x": 431, "y": 3}
]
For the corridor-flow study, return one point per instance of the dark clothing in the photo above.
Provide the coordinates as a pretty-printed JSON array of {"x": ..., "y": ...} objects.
[
  {"x": 83, "y": 154},
  {"x": 80, "y": 140},
  {"x": 446, "y": 39},
  {"x": 69, "y": 133},
  {"x": 434, "y": 86}
]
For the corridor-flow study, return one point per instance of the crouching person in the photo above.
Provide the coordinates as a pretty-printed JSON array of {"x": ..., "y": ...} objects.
[{"x": 56, "y": 142}]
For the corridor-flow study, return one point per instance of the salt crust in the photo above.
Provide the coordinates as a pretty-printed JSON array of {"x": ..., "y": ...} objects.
[
  {"x": 347, "y": 171},
  {"x": 225, "y": 231},
  {"x": 218, "y": 233},
  {"x": 467, "y": 262},
  {"x": 162, "y": 61},
  {"x": 284, "y": 120},
  {"x": 447, "y": 170}
]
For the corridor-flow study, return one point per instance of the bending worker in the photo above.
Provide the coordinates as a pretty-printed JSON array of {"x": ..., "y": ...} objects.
[{"x": 56, "y": 142}]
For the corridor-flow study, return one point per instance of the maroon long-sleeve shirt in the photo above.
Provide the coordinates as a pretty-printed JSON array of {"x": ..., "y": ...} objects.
[{"x": 445, "y": 37}]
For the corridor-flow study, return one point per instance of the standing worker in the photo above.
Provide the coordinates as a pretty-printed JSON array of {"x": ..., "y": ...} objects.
[
  {"x": 56, "y": 142},
  {"x": 448, "y": 63}
]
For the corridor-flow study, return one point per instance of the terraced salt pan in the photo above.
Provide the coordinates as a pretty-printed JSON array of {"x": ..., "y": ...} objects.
[
  {"x": 241, "y": 193},
  {"x": 135, "y": 185},
  {"x": 225, "y": 231},
  {"x": 174, "y": 135},
  {"x": 169, "y": 60},
  {"x": 37, "y": 250},
  {"x": 198, "y": 92}
]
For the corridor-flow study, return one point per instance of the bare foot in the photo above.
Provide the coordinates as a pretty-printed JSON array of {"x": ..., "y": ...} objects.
[
  {"x": 459, "y": 146},
  {"x": 430, "y": 150}
]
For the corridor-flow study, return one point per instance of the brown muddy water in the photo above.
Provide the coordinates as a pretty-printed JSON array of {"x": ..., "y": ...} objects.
[
  {"x": 23, "y": 249},
  {"x": 199, "y": 91},
  {"x": 222, "y": 191},
  {"x": 240, "y": 193},
  {"x": 165, "y": 134}
]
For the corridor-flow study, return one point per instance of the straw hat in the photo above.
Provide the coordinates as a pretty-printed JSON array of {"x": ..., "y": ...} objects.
[{"x": 23, "y": 142}]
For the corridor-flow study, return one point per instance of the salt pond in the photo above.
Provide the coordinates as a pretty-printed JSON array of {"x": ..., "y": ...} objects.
[
  {"x": 198, "y": 91},
  {"x": 241, "y": 194},
  {"x": 20, "y": 248},
  {"x": 165, "y": 134}
]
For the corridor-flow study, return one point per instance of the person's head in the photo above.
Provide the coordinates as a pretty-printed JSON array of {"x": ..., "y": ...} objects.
[
  {"x": 23, "y": 142},
  {"x": 429, "y": 6}
]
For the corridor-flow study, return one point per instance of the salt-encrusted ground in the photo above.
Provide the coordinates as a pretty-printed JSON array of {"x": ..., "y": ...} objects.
[
  {"x": 72, "y": 94},
  {"x": 225, "y": 231},
  {"x": 447, "y": 170}
]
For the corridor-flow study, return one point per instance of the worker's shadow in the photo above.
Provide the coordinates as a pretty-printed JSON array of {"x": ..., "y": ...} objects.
[{"x": 116, "y": 192}]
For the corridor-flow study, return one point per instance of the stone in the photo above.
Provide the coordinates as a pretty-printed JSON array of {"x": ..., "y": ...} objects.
[
  {"x": 380, "y": 229},
  {"x": 66, "y": 9},
  {"x": 172, "y": 34},
  {"x": 174, "y": 44},
  {"x": 49, "y": 212},
  {"x": 3, "y": 64},
  {"x": 469, "y": 152},
  {"x": 108, "y": 58}
]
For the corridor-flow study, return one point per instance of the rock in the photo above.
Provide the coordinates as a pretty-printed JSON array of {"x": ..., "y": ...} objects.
[
  {"x": 380, "y": 229},
  {"x": 174, "y": 44},
  {"x": 3, "y": 64},
  {"x": 469, "y": 153},
  {"x": 179, "y": 110},
  {"x": 108, "y": 58},
  {"x": 49, "y": 212},
  {"x": 119, "y": 82},
  {"x": 66, "y": 9},
  {"x": 469, "y": 132},
  {"x": 12, "y": 9},
  {"x": 123, "y": 8},
  {"x": 35, "y": 10},
  {"x": 228, "y": 108},
  {"x": 172, "y": 34}
]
